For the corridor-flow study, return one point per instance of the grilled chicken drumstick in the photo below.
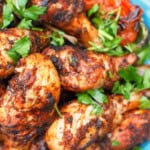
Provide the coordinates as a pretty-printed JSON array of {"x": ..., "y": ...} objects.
[
  {"x": 134, "y": 130},
  {"x": 69, "y": 16},
  {"x": 78, "y": 128},
  {"x": 27, "y": 106},
  {"x": 9, "y": 36},
  {"x": 81, "y": 70}
]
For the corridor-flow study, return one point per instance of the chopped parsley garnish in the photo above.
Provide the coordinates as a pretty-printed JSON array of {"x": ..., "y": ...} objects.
[
  {"x": 136, "y": 148},
  {"x": 57, "y": 38},
  {"x": 26, "y": 15},
  {"x": 144, "y": 53},
  {"x": 95, "y": 98},
  {"x": 7, "y": 16},
  {"x": 107, "y": 30},
  {"x": 115, "y": 143},
  {"x": 21, "y": 48},
  {"x": 144, "y": 103},
  {"x": 131, "y": 80}
]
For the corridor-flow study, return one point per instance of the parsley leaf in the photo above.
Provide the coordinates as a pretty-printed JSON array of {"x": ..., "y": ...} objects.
[
  {"x": 57, "y": 38},
  {"x": 107, "y": 31},
  {"x": 146, "y": 79},
  {"x": 136, "y": 148},
  {"x": 144, "y": 54},
  {"x": 7, "y": 16},
  {"x": 131, "y": 80},
  {"x": 25, "y": 24},
  {"x": 124, "y": 89},
  {"x": 93, "y": 10},
  {"x": 130, "y": 74},
  {"x": 115, "y": 143},
  {"x": 26, "y": 15},
  {"x": 20, "y": 48},
  {"x": 94, "y": 97},
  {"x": 144, "y": 103},
  {"x": 33, "y": 12}
]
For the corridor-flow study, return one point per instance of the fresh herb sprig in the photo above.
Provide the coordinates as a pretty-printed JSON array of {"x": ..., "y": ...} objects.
[
  {"x": 21, "y": 48},
  {"x": 95, "y": 98},
  {"x": 144, "y": 103},
  {"x": 27, "y": 15},
  {"x": 57, "y": 38},
  {"x": 115, "y": 143},
  {"x": 107, "y": 31},
  {"x": 131, "y": 80}
]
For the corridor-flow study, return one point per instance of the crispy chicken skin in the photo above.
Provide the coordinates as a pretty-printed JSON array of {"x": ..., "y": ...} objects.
[
  {"x": 69, "y": 16},
  {"x": 133, "y": 130},
  {"x": 79, "y": 129},
  {"x": 8, "y": 37},
  {"x": 81, "y": 70},
  {"x": 27, "y": 106}
]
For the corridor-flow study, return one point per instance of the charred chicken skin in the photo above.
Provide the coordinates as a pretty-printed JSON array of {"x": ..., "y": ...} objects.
[
  {"x": 78, "y": 128},
  {"x": 69, "y": 16},
  {"x": 80, "y": 70},
  {"x": 133, "y": 130},
  {"x": 8, "y": 37},
  {"x": 27, "y": 106}
]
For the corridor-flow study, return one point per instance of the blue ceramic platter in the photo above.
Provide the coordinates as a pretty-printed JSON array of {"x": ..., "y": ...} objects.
[{"x": 145, "y": 4}]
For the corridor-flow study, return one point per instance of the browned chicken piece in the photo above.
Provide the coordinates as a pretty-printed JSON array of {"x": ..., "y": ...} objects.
[
  {"x": 79, "y": 128},
  {"x": 9, "y": 36},
  {"x": 27, "y": 107},
  {"x": 134, "y": 130},
  {"x": 69, "y": 16},
  {"x": 81, "y": 70}
]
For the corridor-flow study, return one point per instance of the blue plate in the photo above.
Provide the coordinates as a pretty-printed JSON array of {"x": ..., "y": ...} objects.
[{"x": 145, "y": 4}]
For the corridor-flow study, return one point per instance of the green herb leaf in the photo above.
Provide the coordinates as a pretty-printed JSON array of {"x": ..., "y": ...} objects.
[
  {"x": 131, "y": 80},
  {"x": 130, "y": 74},
  {"x": 124, "y": 89},
  {"x": 144, "y": 54},
  {"x": 136, "y": 148},
  {"x": 97, "y": 109},
  {"x": 98, "y": 95},
  {"x": 7, "y": 16},
  {"x": 93, "y": 10},
  {"x": 33, "y": 12},
  {"x": 57, "y": 38},
  {"x": 19, "y": 4},
  {"x": 84, "y": 98},
  {"x": 25, "y": 24},
  {"x": 95, "y": 98},
  {"x": 115, "y": 143},
  {"x": 146, "y": 79},
  {"x": 18, "y": 7},
  {"x": 20, "y": 48},
  {"x": 144, "y": 103}
]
